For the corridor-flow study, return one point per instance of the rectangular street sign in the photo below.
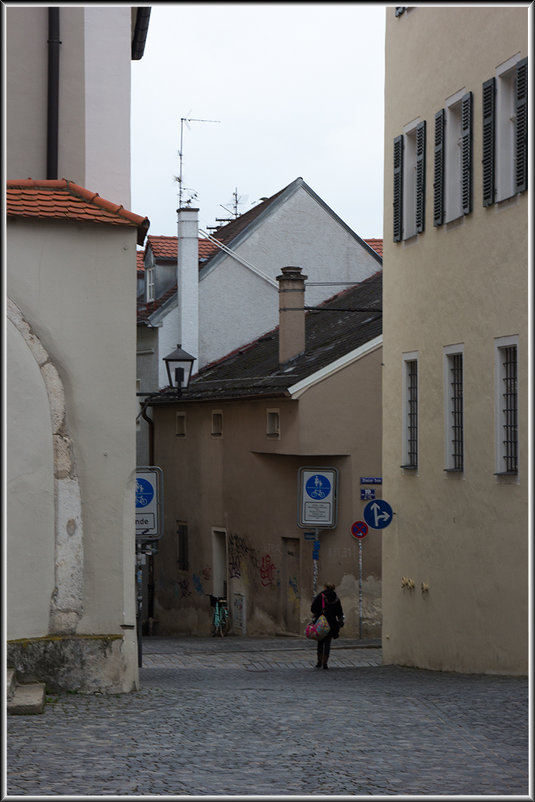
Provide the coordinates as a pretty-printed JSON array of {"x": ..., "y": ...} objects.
[
  {"x": 149, "y": 502},
  {"x": 371, "y": 480},
  {"x": 318, "y": 497}
]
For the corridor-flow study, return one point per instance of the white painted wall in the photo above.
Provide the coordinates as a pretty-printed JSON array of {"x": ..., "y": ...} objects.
[
  {"x": 236, "y": 305},
  {"x": 74, "y": 283},
  {"x": 94, "y": 87},
  {"x": 30, "y": 530},
  {"x": 107, "y": 101}
]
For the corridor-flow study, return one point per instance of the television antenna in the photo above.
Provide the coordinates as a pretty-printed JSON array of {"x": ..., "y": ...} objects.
[{"x": 185, "y": 121}]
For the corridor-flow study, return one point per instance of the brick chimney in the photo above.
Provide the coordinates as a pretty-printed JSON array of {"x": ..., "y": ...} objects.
[
  {"x": 291, "y": 313},
  {"x": 188, "y": 280}
]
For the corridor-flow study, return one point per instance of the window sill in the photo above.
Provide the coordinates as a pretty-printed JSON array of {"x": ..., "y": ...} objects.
[
  {"x": 409, "y": 467},
  {"x": 506, "y": 473},
  {"x": 453, "y": 470}
]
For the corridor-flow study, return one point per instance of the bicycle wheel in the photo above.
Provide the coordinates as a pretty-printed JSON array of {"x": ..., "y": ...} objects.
[{"x": 215, "y": 624}]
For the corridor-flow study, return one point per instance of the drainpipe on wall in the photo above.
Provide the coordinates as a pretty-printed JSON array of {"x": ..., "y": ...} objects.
[
  {"x": 53, "y": 95},
  {"x": 291, "y": 313}
]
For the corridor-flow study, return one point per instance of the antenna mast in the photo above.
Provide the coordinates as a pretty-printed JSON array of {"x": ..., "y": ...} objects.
[{"x": 181, "y": 151}]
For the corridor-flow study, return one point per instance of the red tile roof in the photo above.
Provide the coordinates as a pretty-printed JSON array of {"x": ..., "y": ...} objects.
[
  {"x": 64, "y": 200},
  {"x": 377, "y": 245},
  {"x": 165, "y": 248},
  {"x": 140, "y": 257}
]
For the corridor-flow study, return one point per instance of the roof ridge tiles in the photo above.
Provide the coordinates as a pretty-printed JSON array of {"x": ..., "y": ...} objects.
[{"x": 53, "y": 186}]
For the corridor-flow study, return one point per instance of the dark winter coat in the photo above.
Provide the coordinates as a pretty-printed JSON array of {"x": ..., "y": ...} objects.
[{"x": 333, "y": 610}]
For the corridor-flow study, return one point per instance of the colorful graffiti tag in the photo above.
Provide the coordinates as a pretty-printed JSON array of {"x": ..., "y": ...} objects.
[{"x": 267, "y": 570}]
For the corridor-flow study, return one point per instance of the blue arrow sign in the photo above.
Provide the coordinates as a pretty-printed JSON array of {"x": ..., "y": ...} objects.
[{"x": 378, "y": 514}]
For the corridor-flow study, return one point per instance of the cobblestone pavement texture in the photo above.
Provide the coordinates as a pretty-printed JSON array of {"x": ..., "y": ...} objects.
[{"x": 251, "y": 716}]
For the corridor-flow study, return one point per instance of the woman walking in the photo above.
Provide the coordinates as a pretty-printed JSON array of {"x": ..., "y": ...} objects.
[{"x": 328, "y": 603}]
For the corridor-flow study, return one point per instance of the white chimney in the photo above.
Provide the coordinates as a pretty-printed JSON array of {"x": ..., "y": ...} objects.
[
  {"x": 291, "y": 313},
  {"x": 188, "y": 280}
]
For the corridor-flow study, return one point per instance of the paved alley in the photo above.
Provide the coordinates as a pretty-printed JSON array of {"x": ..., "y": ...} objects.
[{"x": 251, "y": 716}]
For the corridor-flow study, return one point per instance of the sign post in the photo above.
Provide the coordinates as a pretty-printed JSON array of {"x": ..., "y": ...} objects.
[
  {"x": 317, "y": 507},
  {"x": 149, "y": 529},
  {"x": 360, "y": 530}
]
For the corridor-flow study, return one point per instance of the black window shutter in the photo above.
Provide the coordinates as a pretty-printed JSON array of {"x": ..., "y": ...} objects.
[
  {"x": 398, "y": 188},
  {"x": 466, "y": 152},
  {"x": 489, "y": 137},
  {"x": 440, "y": 132},
  {"x": 521, "y": 132},
  {"x": 420, "y": 177}
]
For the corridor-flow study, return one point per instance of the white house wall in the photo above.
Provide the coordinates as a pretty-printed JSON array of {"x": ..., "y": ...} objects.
[
  {"x": 107, "y": 101},
  {"x": 30, "y": 534},
  {"x": 236, "y": 305},
  {"x": 71, "y": 282},
  {"x": 94, "y": 96}
]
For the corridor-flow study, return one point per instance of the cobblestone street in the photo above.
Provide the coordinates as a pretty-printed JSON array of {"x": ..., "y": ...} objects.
[{"x": 248, "y": 716}]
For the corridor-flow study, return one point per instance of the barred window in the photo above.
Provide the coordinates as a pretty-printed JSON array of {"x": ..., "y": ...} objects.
[
  {"x": 454, "y": 414},
  {"x": 410, "y": 398},
  {"x": 508, "y": 447}
]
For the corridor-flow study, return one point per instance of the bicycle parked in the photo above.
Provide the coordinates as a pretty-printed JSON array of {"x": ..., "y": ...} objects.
[{"x": 221, "y": 616}]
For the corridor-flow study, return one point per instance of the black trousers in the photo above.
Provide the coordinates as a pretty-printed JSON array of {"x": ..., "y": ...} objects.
[{"x": 324, "y": 647}]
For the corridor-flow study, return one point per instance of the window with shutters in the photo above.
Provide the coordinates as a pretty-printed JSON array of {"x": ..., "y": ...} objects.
[
  {"x": 410, "y": 411},
  {"x": 409, "y": 181},
  {"x": 453, "y": 159},
  {"x": 505, "y": 131},
  {"x": 453, "y": 408},
  {"x": 506, "y": 403}
]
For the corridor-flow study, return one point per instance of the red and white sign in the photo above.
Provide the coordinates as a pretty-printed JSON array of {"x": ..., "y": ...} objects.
[{"x": 359, "y": 529}]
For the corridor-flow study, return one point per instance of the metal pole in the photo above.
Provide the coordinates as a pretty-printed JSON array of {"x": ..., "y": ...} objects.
[
  {"x": 315, "y": 562},
  {"x": 360, "y": 589},
  {"x": 139, "y": 588}
]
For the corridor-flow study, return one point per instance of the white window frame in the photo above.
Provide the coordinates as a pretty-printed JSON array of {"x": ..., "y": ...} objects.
[
  {"x": 149, "y": 284},
  {"x": 453, "y": 157},
  {"x": 505, "y": 128},
  {"x": 180, "y": 424},
  {"x": 273, "y": 427},
  {"x": 217, "y": 423},
  {"x": 451, "y": 460},
  {"x": 408, "y": 358},
  {"x": 500, "y": 344},
  {"x": 409, "y": 179}
]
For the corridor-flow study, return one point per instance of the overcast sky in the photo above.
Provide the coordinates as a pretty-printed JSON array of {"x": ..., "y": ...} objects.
[{"x": 297, "y": 90}]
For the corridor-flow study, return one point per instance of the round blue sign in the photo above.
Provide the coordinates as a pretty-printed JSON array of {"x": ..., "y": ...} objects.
[
  {"x": 318, "y": 486},
  {"x": 144, "y": 492},
  {"x": 378, "y": 513}
]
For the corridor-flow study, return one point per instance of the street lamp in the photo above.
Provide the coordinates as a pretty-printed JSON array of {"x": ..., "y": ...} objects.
[{"x": 179, "y": 365}]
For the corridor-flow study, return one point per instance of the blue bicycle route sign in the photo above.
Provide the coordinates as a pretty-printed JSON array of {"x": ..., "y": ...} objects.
[
  {"x": 378, "y": 513},
  {"x": 318, "y": 497},
  {"x": 149, "y": 502},
  {"x": 318, "y": 486},
  {"x": 144, "y": 492}
]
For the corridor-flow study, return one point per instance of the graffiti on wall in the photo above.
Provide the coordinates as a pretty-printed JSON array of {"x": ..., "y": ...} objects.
[
  {"x": 183, "y": 588},
  {"x": 292, "y": 581},
  {"x": 267, "y": 570},
  {"x": 238, "y": 550},
  {"x": 197, "y": 584}
]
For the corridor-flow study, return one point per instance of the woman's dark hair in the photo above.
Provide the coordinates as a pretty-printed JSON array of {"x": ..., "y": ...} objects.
[{"x": 329, "y": 586}]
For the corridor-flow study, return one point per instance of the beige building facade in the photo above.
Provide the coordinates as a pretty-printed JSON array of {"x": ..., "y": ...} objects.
[
  {"x": 455, "y": 392},
  {"x": 231, "y": 451}
]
